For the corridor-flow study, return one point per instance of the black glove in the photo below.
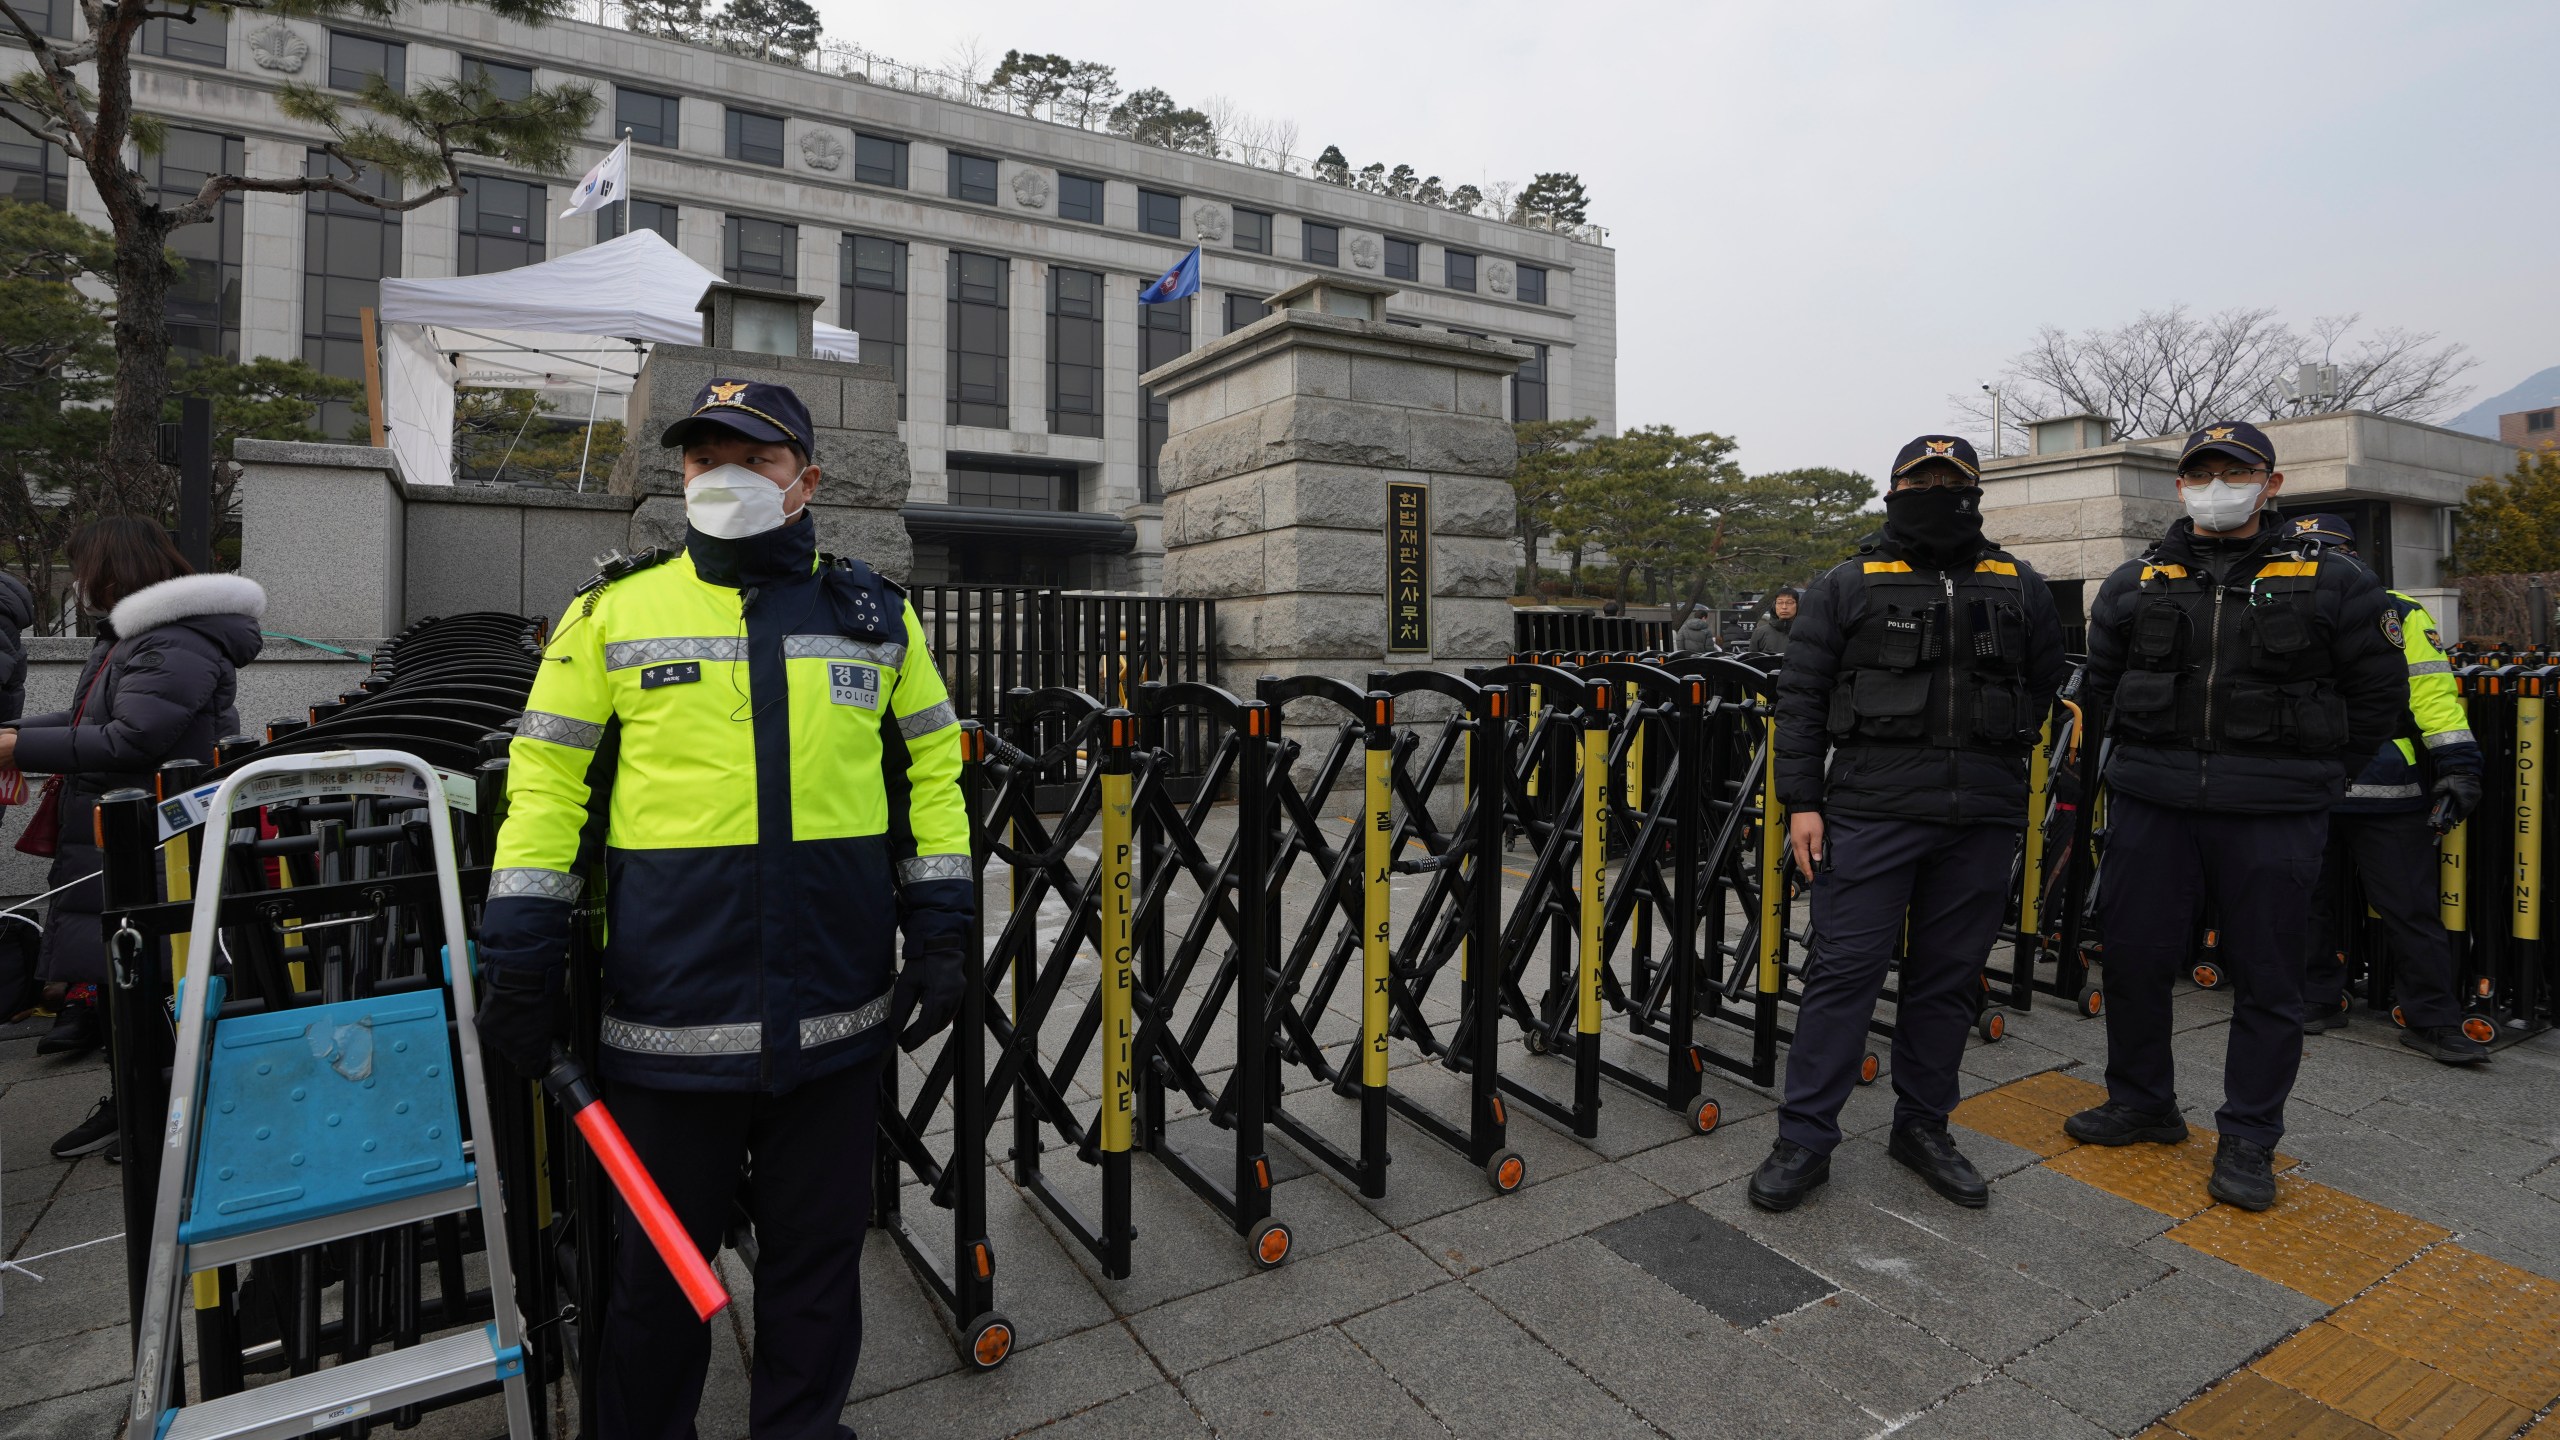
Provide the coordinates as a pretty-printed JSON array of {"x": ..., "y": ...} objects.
[
  {"x": 515, "y": 1018},
  {"x": 2457, "y": 795},
  {"x": 929, "y": 989}
]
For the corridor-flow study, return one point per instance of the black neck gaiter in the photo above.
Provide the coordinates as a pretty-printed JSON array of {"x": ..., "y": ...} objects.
[{"x": 1938, "y": 526}]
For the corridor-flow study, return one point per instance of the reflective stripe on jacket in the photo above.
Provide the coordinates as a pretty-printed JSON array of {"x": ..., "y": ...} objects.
[
  {"x": 781, "y": 765},
  {"x": 2397, "y": 778}
]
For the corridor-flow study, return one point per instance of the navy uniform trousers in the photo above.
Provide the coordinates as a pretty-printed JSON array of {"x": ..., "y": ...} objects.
[
  {"x": 1952, "y": 883},
  {"x": 810, "y": 1200},
  {"x": 2394, "y": 855},
  {"x": 2162, "y": 871}
]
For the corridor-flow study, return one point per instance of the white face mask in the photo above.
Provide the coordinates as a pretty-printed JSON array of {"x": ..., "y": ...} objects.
[
  {"x": 2220, "y": 505},
  {"x": 733, "y": 502}
]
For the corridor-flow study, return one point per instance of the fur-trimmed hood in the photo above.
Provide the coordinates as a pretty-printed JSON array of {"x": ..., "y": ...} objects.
[{"x": 185, "y": 596}]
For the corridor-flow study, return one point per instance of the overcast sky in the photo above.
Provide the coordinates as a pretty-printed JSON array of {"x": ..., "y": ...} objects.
[{"x": 1828, "y": 218}]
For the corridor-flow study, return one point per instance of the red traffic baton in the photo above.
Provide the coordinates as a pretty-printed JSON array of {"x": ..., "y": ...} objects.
[{"x": 568, "y": 1084}]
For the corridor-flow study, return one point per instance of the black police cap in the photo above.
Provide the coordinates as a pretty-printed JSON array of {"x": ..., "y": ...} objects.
[
  {"x": 1953, "y": 449},
  {"x": 2237, "y": 439},
  {"x": 770, "y": 413},
  {"x": 2327, "y": 529}
]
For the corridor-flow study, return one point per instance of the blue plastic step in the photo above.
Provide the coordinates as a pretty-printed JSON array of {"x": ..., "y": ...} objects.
[{"x": 323, "y": 1110}]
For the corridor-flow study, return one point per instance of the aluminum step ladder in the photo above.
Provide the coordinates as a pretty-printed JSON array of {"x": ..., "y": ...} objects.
[{"x": 300, "y": 1127}]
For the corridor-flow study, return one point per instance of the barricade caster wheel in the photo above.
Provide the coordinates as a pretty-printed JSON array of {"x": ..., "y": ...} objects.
[
  {"x": 1991, "y": 1025},
  {"x": 1268, "y": 1242},
  {"x": 1534, "y": 1041},
  {"x": 1869, "y": 1067},
  {"x": 1507, "y": 1170},
  {"x": 1703, "y": 1116},
  {"x": 2093, "y": 1002},
  {"x": 2480, "y": 1028},
  {"x": 989, "y": 1342},
  {"x": 2207, "y": 975},
  {"x": 2399, "y": 1017}
]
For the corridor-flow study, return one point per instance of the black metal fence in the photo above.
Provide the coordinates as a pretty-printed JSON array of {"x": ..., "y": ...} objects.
[{"x": 1587, "y": 631}]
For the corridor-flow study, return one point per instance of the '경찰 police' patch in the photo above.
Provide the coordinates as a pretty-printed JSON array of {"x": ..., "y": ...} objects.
[
  {"x": 849, "y": 682},
  {"x": 2391, "y": 628}
]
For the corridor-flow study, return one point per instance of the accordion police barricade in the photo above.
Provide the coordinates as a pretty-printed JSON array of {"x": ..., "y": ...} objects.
[
  {"x": 257, "y": 1161},
  {"x": 1741, "y": 865},
  {"x": 1651, "y": 817},
  {"x": 1132, "y": 1028},
  {"x": 2495, "y": 866},
  {"x": 1449, "y": 943}
]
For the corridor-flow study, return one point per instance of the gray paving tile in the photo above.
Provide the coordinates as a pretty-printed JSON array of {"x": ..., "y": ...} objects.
[
  {"x": 1157, "y": 1411},
  {"x": 85, "y": 1416},
  {"x": 1046, "y": 1382},
  {"x": 1215, "y": 1325},
  {"x": 1507, "y": 1225},
  {"x": 40, "y": 1109},
  {"x": 2098, "y": 1216},
  {"x": 2249, "y": 1300},
  {"x": 1183, "y": 1245},
  {"x": 1317, "y": 1384},
  {"x": 1881, "y": 1361},
  {"x": 906, "y": 1336},
  {"x": 65, "y": 1364},
  {"x": 2457, "y": 1137},
  {"x": 2140, "y": 1359},
  {"x": 1500, "y": 1382},
  {"x": 1039, "y": 1288},
  {"x": 1685, "y": 1167},
  {"x": 2040, "y": 1246},
  {"x": 1726, "y": 1384},
  {"x": 1999, "y": 1408},
  {"x": 2014, "y": 1058},
  {"x": 1712, "y": 1263}
]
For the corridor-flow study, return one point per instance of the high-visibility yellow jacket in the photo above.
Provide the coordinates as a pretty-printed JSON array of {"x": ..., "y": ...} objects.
[
  {"x": 779, "y": 764},
  {"x": 2394, "y": 778}
]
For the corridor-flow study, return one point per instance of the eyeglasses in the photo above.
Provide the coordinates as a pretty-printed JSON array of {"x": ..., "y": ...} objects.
[{"x": 2207, "y": 477}]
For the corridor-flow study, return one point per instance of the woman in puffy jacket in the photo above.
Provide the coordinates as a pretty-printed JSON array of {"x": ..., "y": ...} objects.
[{"x": 159, "y": 685}]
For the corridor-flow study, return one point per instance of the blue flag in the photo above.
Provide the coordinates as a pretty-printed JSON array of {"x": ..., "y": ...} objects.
[{"x": 1179, "y": 283}]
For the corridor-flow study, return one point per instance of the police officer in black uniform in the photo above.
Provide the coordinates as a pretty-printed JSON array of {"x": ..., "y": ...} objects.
[
  {"x": 2240, "y": 676},
  {"x": 1922, "y": 668}
]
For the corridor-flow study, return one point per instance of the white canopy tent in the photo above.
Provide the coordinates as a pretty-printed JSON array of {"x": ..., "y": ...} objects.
[{"x": 576, "y": 327}]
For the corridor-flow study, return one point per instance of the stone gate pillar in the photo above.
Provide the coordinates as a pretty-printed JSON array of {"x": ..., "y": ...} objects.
[{"x": 1341, "y": 487}]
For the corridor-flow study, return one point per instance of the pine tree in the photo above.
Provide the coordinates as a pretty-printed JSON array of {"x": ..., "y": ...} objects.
[
  {"x": 2510, "y": 524},
  {"x": 778, "y": 30},
  {"x": 1557, "y": 198}
]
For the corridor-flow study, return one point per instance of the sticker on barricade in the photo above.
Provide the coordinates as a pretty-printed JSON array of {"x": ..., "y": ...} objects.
[{"x": 187, "y": 809}]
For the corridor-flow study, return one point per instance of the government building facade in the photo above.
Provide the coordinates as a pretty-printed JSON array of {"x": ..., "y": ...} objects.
[{"x": 992, "y": 261}]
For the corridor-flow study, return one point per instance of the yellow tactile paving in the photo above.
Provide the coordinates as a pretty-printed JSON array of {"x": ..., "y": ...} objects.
[
  {"x": 2520, "y": 1365},
  {"x": 2052, "y": 1090},
  {"x": 2252, "y": 1407},
  {"x": 2498, "y": 1293},
  {"x": 2166, "y": 1178},
  {"x": 2323, "y": 1242},
  {"x": 2020, "y": 1123},
  {"x": 2394, "y": 1393}
]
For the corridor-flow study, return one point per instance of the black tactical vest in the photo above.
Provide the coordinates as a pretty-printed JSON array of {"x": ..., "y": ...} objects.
[
  {"x": 1939, "y": 659},
  {"x": 2243, "y": 668}
]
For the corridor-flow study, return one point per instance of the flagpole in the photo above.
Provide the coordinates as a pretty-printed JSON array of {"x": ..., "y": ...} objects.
[{"x": 626, "y": 213}]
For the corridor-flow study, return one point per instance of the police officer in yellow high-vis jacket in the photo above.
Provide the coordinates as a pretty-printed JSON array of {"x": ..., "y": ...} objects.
[
  {"x": 779, "y": 769},
  {"x": 2420, "y": 784}
]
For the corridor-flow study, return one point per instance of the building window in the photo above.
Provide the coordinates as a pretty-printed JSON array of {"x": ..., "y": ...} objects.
[
  {"x": 973, "y": 178},
  {"x": 204, "y": 40},
  {"x": 878, "y": 160},
  {"x": 652, "y": 119},
  {"x": 1159, "y": 213},
  {"x": 655, "y": 215},
  {"x": 1080, "y": 198},
  {"x": 1321, "y": 244},
  {"x": 762, "y": 252},
  {"x": 1075, "y": 352},
  {"x": 32, "y": 171},
  {"x": 507, "y": 82},
  {"x": 1243, "y": 310},
  {"x": 1533, "y": 284},
  {"x": 1007, "y": 487},
  {"x": 978, "y": 331},
  {"x": 875, "y": 304},
  {"x": 501, "y": 224},
  {"x": 754, "y": 138},
  {"x": 1404, "y": 259},
  {"x": 1458, "y": 270},
  {"x": 49, "y": 17},
  {"x": 355, "y": 59},
  {"x": 1529, "y": 387},
  {"x": 1253, "y": 230},
  {"x": 204, "y": 303},
  {"x": 1164, "y": 334},
  {"x": 348, "y": 247},
  {"x": 2538, "y": 419}
]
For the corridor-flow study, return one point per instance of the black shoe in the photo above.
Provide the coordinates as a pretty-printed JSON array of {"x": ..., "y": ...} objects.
[
  {"x": 1927, "y": 1152},
  {"x": 2327, "y": 1020},
  {"x": 2114, "y": 1124},
  {"x": 2244, "y": 1174},
  {"x": 1789, "y": 1174},
  {"x": 2446, "y": 1043},
  {"x": 74, "y": 1030},
  {"x": 91, "y": 1135}
]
